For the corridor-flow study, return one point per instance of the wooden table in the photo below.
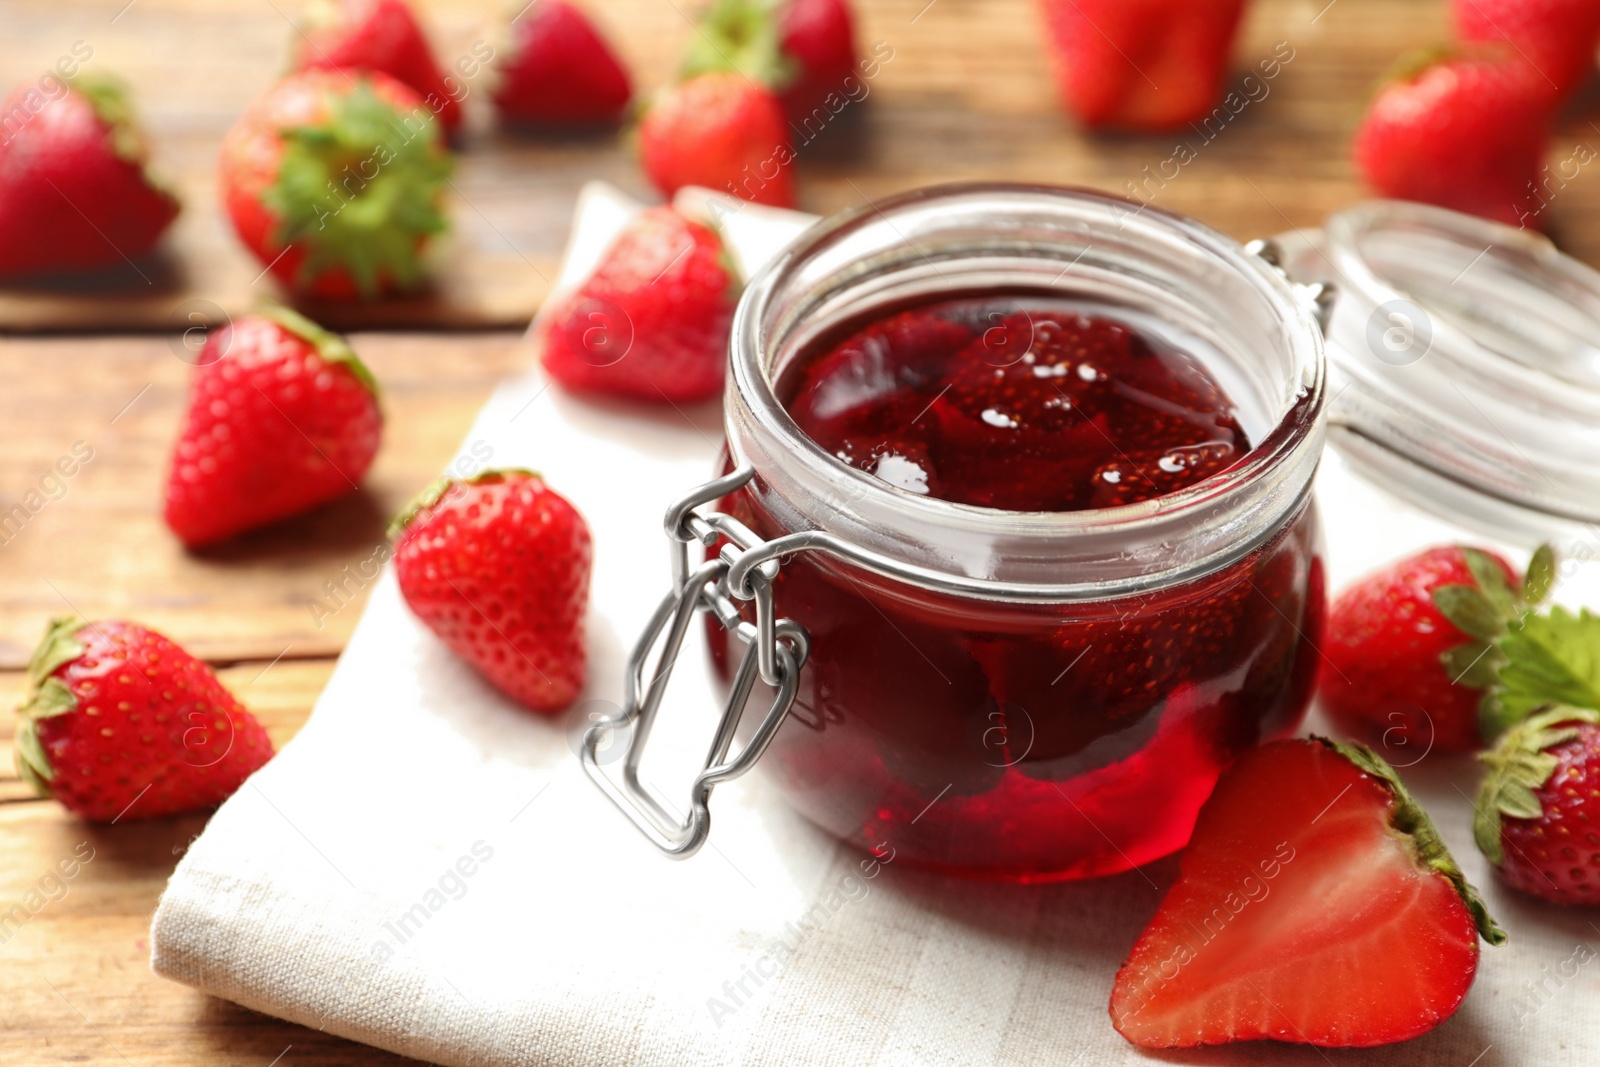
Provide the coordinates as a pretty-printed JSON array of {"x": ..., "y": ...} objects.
[{"x": 966, "y": 95}]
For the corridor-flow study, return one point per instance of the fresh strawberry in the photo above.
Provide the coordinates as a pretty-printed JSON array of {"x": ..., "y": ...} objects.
[
  {"x": 498, "y": 567},
  {"x": 1558, "y": 37},
  {"x": 561, "y": 70},
  {"x": 1140, "y": 64},
  {"x": 283, "y": 417},
  {"x": 803, "y": 49},
  {"x": 380, "y": 35},
  {"x": 1316, "y": 903},
  {"x": 723, "y": 131},
  {"x": 1462, "y": 130},
  {"x": 1538, "y": 814},
  {"x": 123, "y": 724},
  {"x": 652, "y": 321},
  {"x": 74, "y": 193},
  {"x": 1409, "y": 656},
  {"x": 334, "y": 182},
  {"x": 818, "y": 37}
]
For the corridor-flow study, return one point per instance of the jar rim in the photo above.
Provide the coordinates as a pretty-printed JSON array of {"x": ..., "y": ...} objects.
[{"x": 1295, "y": 435}]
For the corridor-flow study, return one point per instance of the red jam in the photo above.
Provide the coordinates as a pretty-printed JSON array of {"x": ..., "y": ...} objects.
[
  {"x": 1024, "y": 408},
  {"x": 1026, "y": 741}
]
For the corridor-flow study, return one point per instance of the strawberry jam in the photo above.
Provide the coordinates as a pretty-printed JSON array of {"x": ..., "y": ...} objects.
[
  {"x": 1036, "y": 408},
  {"x": 1013, "y": 739}
]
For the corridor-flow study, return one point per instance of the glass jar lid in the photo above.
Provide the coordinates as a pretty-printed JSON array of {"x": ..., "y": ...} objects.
[{"x": 1464, "y": 365}]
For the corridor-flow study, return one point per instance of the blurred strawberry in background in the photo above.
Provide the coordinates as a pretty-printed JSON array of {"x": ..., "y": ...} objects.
[
  {"x": 560, "y": 69},
  {"x": 652, "y": 322},
  {"x": 335, "y": 182},
  {"x": 74, "y": 192},
  {"x": 818, "y": 38},
  {"x": 283, "y": 417},
  {"x": 1464, "y": 129},
  {"x": 723, "y": 131},
  {"x": 802, "y": 49},
  {"x": 376, "y": 35},
  {"x": 1557, "y": 37},
  {"x": 1144, "y": 65}
]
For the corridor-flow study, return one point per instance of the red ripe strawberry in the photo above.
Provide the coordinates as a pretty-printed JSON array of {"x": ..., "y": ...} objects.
[
  {"x": 1465, "y": 131},
  {"x": 1140, "y": 64},
  {"x": 380, "y": 35},
  {"x": 122, "y": 723},
  {"x": 74, "y": 193},
  {"x": 804, "y": 49},
  {"x": 335, "y": 182},
  {"x": 1409, "y": 655},
  {"x": 498, "y": 567},
  {"x": 652, "y": 321},
  {"x": 1558, "y": 37},
  {"x": 1538, "y": 814},
  {"x": 1316, "y": 903},
  {"x": 283, "y": 417},
  {"x": 818, "y": 38},
  {"x": 723, "y": 131},
  {"x": 561, "y": 70}
]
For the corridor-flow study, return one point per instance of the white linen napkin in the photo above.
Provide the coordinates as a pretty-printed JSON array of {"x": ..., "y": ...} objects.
[{"x": 425, "y": 868}]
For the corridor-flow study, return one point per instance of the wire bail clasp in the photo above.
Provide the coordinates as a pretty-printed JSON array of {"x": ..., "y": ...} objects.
[{"x": 775, "y": 651}]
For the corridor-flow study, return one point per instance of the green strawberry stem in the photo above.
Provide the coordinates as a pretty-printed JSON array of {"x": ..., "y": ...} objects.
[
  {"x": 360, "y": 190},
  {"x": 109, "y": 98},
  {"x": 741, "y": 36},
  {"x": 1518, "y": 765},
  {"x": 1411, "y": 819},
  {"x": 49, "y": 696},
  {"x": 437, "y": 489},
  {"x": 329, "y": 345}
]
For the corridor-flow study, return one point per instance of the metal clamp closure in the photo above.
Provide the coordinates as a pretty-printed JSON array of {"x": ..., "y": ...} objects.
[{"x": 775, "y": 651}]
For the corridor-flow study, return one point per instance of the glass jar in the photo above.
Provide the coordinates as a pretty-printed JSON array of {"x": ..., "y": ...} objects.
[{"x": 1023, "y": 696}]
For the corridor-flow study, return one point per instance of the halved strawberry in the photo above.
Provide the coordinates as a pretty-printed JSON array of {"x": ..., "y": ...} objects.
[{"x": 1316, "y": 904}]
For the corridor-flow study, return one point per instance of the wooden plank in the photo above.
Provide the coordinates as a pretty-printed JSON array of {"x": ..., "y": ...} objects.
[
  {"x": 965, "y": 94},
  {"x": 102, "y": 548},
  {"x": 76, "y": 981}
]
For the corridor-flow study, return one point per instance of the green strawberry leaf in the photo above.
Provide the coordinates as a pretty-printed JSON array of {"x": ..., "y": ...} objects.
[
  {"x": 1471, "y": 611},
  {"x": 329, "y": 345},
  {"x": 1541, "y": 576},
  {"x": 741, "y": 36},
  {"x": 439, "y": 487},
  {"x": 1491, "y": 579},
  {"x": 1474, "y": 664},
  {"x": 59, "y": 645},
  {"x": 1553, "y": 658},
  {"x": 1519, "y": 765},
  {"x": 1411, "y": 819},
  {"x": 361, "y": 190}
]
